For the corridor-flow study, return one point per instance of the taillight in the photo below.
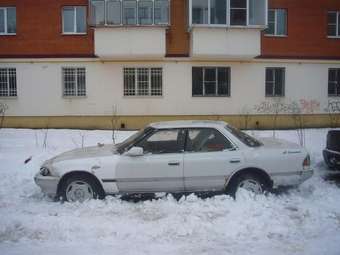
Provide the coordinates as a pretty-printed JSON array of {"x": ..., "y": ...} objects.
[{"x": 306, "y": 163}]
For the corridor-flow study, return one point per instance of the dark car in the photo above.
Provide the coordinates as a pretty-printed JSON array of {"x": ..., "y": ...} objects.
[{"x": 332, "y": 152}]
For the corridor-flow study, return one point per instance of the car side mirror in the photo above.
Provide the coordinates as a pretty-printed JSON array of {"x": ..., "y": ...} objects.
[{"x": 135, "y": 152}]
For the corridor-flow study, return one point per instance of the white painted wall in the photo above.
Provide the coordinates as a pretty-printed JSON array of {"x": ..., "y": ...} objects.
[
  {"x": 225, "y": 43},
  {"x": 39, "y": 88},
  {"x": 124, "y": 42}
]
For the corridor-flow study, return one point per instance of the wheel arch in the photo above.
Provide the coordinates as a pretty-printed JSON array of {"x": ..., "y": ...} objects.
[
  {"x": 79, "y": 172},
  {"x": 253, "y": 170}
]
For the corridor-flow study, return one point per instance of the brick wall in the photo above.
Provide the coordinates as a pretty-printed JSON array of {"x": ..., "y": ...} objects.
[
  {"x": 39, "y": 31},
  {"x": 307, "y": 31}
]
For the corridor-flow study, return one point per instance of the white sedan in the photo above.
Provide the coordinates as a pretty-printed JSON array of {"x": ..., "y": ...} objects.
[{"x": 176, "y": 157}]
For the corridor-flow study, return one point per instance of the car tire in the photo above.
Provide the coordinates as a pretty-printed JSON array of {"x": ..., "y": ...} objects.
[
  {"x": 79, "y": 188},
  {"x": 251, "y": 182}
]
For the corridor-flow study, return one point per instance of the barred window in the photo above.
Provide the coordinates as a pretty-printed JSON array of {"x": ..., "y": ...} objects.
[
  {"x": 275, "y": 82},
  {"x": 334, "y": 82},
  {"x": 74, "y": 81},
  {"x": 211, "y": 81},
  {"x": 143, "y": 81},
  {"x": 8, "y": 82}
]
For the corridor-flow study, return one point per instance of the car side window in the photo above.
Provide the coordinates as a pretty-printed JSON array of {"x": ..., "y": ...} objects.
[
  {"x": 164, "y": 141},
  {"x": 206, "y": 140}
]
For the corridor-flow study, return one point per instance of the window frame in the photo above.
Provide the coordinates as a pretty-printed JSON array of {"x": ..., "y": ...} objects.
[
  {"x": 228, "y": 23},
  {"x": 74, "y": 7},
  {"x": 274, "y": 82},
  {"x": 216, "y": 81},
  {"x": 337, "y": 25},
  {"x": 137, "y": 24},
  {"x": 155, "y": 131},
  {"x": 275, "y": 23},
  {"x": 5, "y": 8},
  {"x": 76, "y": 69},
  {"x": 149, "y": 80},
  {"x": 8, "y": 96},
  {"x": 337, "y": 82}
]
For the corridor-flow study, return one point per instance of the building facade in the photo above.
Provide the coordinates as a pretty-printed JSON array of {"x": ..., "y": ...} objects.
[{"x": 125, "y": 63}]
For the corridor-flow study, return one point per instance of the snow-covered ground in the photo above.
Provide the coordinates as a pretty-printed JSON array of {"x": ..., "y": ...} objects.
[{"x": 303, "y": 221}]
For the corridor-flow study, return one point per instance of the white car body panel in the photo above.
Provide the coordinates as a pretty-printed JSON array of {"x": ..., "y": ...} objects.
[{"x": 178, "y": 172}]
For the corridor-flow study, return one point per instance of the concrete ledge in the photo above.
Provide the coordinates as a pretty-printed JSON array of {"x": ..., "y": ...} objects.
[{"x": 136, "y": 122}]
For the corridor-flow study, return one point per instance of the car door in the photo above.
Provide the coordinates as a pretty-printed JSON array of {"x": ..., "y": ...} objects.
[
  {"x": 159, "y": 169},
  {"x": 208, "y": 160}
]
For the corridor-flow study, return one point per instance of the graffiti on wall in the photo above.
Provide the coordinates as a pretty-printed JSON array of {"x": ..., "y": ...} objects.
[
  {"x": 302, "y": 106},
  {"x": 333, "y": 106}
]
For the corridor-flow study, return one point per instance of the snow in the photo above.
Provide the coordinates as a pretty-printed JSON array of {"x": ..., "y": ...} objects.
[{"x": 300, "y": 221}]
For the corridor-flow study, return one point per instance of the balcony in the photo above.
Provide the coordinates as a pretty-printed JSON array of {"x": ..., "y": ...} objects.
[
  {"x": 227, "y": 29},
  {"x": 129, "y": 29}
]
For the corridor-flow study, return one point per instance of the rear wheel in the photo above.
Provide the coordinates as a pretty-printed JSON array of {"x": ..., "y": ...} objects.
[
  {"x": 79, "y": 188},
  {"x": 250, "y": 182}
]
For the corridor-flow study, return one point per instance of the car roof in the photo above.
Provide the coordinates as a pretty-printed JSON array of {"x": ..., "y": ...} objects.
[{"x": 188, "y": 124}]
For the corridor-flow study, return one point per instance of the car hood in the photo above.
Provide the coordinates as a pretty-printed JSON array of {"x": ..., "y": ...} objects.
[
  {"x": 279, "y": 144},
  {"x": 86, "y": 152}
]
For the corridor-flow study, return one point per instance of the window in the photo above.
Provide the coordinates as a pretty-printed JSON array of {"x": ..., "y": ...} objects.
[
  {"x": 277, "y": 22},
  {"x": 129, "y": 12},
  {"x": 238, "y": 12},
  {"x": 206, "y": 140},
  {"x": 333, "y": 24},
  {"x": 334, "y": 82},
  {"x": 74, "y": 20},
  {"x": 8, "y": 82},
  {"x": 164, "y": 141},
  {"x": 143, "y": 81},
  {"x": 210, "y": 81},
  {"x": 8, "y": 21},
  {"x": 74, "y": 81},
  {"x": 275, "y": 82},
  {"x": 228, "y": 12},
  {"x": 113, "y": 13}
]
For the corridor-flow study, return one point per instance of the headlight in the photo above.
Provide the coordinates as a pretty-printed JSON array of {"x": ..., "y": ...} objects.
[{"x": 44, "y": 171}]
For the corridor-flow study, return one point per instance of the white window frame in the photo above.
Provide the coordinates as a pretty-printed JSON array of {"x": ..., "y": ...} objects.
[
  {"x": 336, "y": 25},
  {"x": 228, "y": 17},
  {"x": 137, "y": 16},
  {"x": 76, "y": 95},
  {"x": 7, "y": 83},
  {"x": 149, "y": 82},
  {"x": 74, "y": 20},
  {"x": 5, "y": 20},
  {"x": 275, "y": 23}
]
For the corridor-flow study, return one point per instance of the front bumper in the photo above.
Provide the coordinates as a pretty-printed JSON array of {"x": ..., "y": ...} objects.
[
  {"x": 291, "y": 178},
  {"x": 48, "y": 184}
]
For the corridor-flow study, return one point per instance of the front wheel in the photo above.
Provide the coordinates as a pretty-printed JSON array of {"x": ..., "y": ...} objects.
[
  {"x": 250, "y": 182},
  {"x": 80, "y": 188}
]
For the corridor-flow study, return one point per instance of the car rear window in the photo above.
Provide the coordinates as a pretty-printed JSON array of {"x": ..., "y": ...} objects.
[{"x": 243, "y": 137}]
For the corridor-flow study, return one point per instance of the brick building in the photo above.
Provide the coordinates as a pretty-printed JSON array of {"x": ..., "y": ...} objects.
[{"x": 81, "y": 63}]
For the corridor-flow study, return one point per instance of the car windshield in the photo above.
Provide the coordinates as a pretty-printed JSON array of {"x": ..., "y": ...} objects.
[
  {"x": 126, "y": 144},
  {"x": 244, "y": 137}
]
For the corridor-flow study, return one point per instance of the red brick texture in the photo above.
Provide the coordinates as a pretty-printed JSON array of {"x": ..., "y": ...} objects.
[
  {"x": 39, "y": 31},
  {"x": 178, "y": 37},
  {"x": 307, "y": 31}
]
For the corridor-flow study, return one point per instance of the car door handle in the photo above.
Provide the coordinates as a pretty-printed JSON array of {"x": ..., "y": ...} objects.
[
  {"x": 173, "y": 163},
  {"x": 235, "y": 161}
]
